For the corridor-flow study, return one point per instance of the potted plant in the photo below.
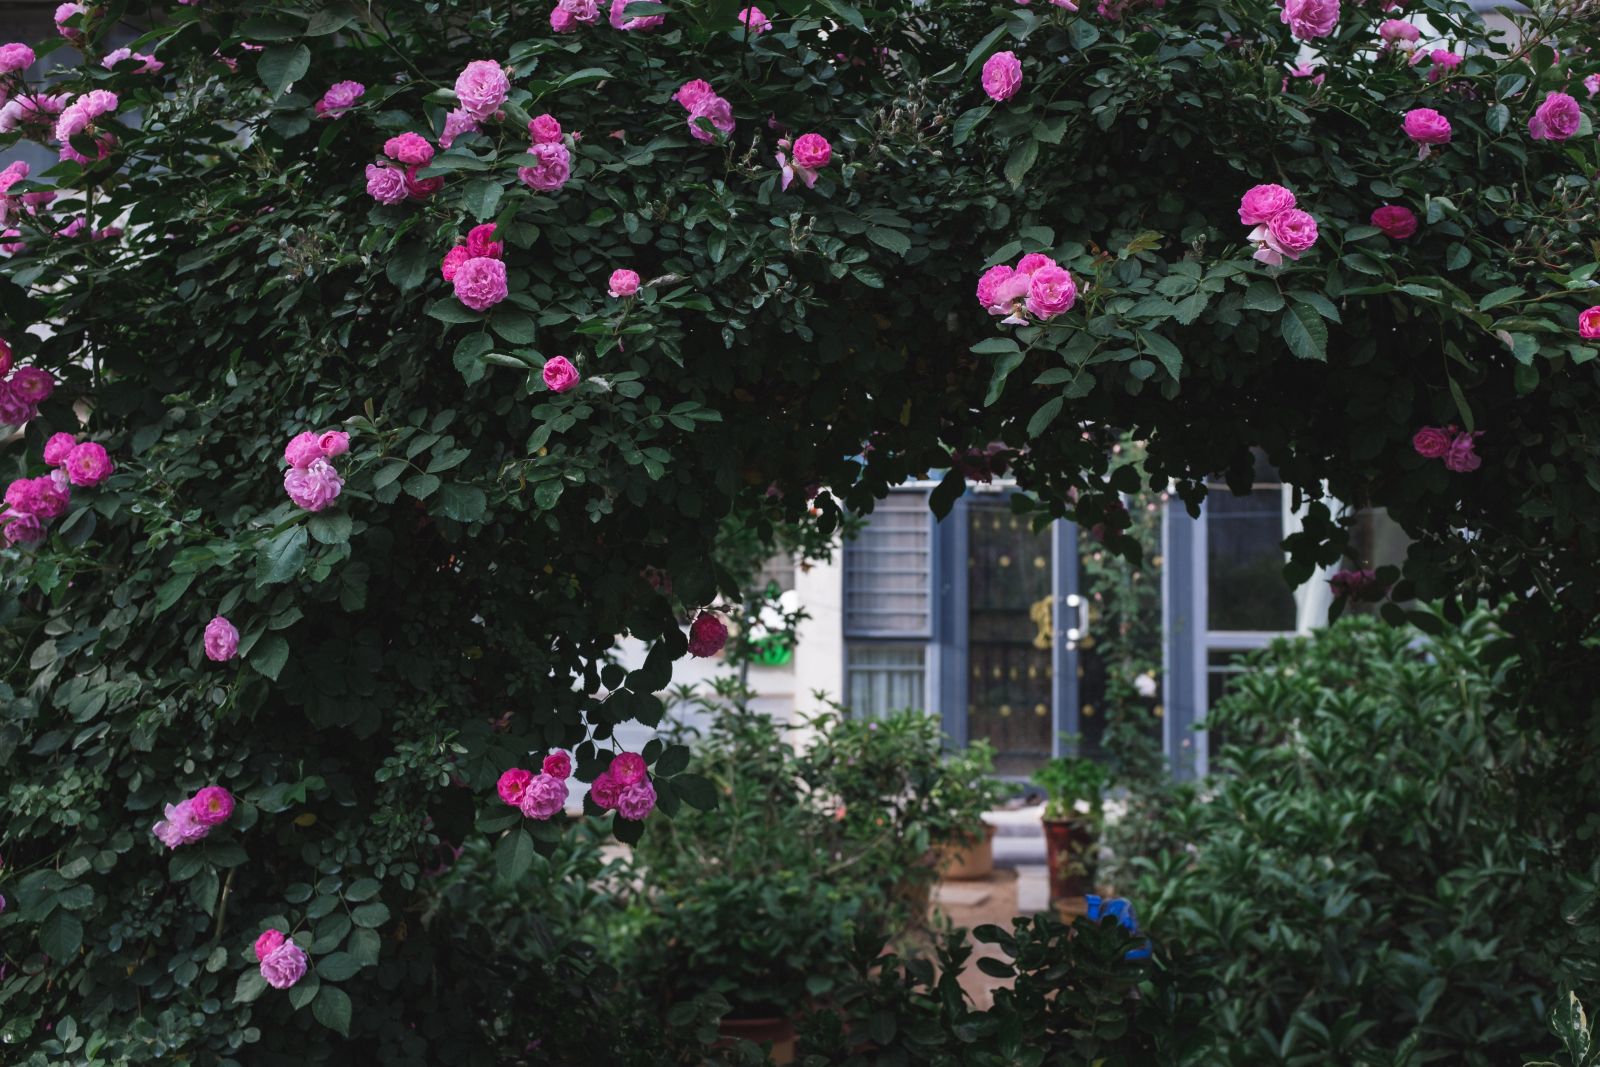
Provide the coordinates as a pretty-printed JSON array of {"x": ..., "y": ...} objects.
[
  {"x": 964, "y": 792},
  {"x": 1073, "y": 785}
]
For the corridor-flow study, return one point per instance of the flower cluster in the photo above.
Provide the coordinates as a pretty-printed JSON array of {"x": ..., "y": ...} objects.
[
  {"x": 21, "y": 390},
  {"x": 32, "y": 502},
  {"x": 190, "y": 820},
  {"x": 1358, "y": 586},
  {"x": 707, "y": 634},
  {"x": 625, "y": 788},
  {"x": 568, "y": 15},
  {"x": 811, "y": 152},
  {"x": 283, "y": 963},
  {"x": 390, "y": 184},
  {"x": 1451, "y": 444},
  {"x": 1120, "y": 909},
  {"x": 78, "y": 118},
  {"x": 475, "y": 269},
  {"x": 553, "y": 161},
  {"x": 702, "y": 103},
  {"x": 538, "y": 796},
  {"x": 311, "y": 480},
  {"x": 1037, "y": 285},
  {"x": 1002, "y": 76},
  {"x": 1282, "y": 231}
]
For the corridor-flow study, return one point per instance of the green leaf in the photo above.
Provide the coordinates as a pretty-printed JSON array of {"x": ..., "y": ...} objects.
[
  {"x": 1003, "y": 367},
  {"x": 337, "y": 966},
  {"x": 330, "y": 527},
  {"x": 421, "y": 486},
  {"x": 481, "y": 197},
  {"x": 1045, "y": 415},
  {"x": 1263, "y": 296},
  {"x": 280, "y": 558},
  {"x": 1320, "y": 303},
  {"x": 893, "y": 240},
  {"x": 468, "y": 358},
  {"x": 249, "y": 986},
  {"x": 980, "y": 51},
  {"x": 282, "y": 65},
  {"x": 969, "y": 121},
  {"x": 269, "y": 655},
  {"x": 371, "y": 915},
  {"x": 363, "y": 889},
  {"x": 60, "y": 935},
  {"x": 1164, "y": 350},
  {"x": 513, "y": 325},
  {"x": 1305, "y": 332},
  {"x": 408, "y": 265},
  {"x": 464, "y": 503},
  {"x": 513, "y": 855},
  {"x": 332, "y": 1009},
  {"x": 366, "y": 946},
  {"x": 696, "y": 791},
  {"x": 1021, "y": 161},
  {"x": 1500, "y": 296},
  {"x": 328, "y": 20},
  {"x": 674, "y": 760},
  {"x": 448, "y": 309},
  {"x": 172, "y": 590}
]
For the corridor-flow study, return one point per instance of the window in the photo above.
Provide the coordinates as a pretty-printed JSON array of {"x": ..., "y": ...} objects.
[
  {"x": 881, "y": 678},
  {"x": 888, "y": 606}
]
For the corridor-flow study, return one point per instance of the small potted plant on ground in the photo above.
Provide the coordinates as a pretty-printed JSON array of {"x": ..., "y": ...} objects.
[
  {"x": 959, "y": 800},
  {"x": 1074, "y": 786}
]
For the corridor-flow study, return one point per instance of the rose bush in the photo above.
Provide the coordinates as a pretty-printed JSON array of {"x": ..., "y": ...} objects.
[{"x": 246, "y": 242}]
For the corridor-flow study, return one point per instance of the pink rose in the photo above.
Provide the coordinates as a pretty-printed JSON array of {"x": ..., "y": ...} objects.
[
  {"x": 1304, "y": 70},
  {"x": 340, "y": 97},
  {"x": 1592, "y": 84},
  {"x": 1431, "y": 442},
  {"x": 1396, "y": 222},
  {"x": 180, "y": 827},
  {"x": 1426, "y": 127},
  {"x": 386, "y": 184},
  {"x": 1284, "y": 236},
  {"x": 456, "y": 124},
  {"x": 267, "y": 942},
  {"x": 5, "y": 357},
  {"x": 1262, "y": 202},
  {"x": 620, "y": 20},
  {"x": 1556, "y": 119},
  {"x": 221, "y": 640},
  {"x": 412, "y": 149},
  {"x": 691, "y": 92},
  {"x": 1033, "y": 262},
  {"x": 284, "y": 965},
  {"x": 544, "y": 129},
  {"x": 315, "y": 487},
  {"x": 812, "y": 151},
  {"x": 15, "y": 58},
  {"x": 544, "y": 797},
  {"x": 67, "y": 11},
  {"x": 149, "y": 64},
  {"x": 1442, "y": 63},
  {"x": 57, "y": 448},
  {"x": 421, "y": 188},
  {"x": 481, "y": 88},
  {"x": 586, "y": 12},
  {"x": 624, "y": 283},
  {"x": 558, "y": 765},
  {"x": 1051, "y": 291},
  {"x": 561, "y": 20},
  {"x": 990, "y": 283},
  {"x": 636, "y": 801},
  {"x": 707, "y": 634},
  {"x": 480, "y": 283},
  {"x": 1589, "y": 324},
  {"x": 88, "y": 465},
  {"x": 303, "y": 450},
  {"x": 20, "y": 529},
  {"x": 1002, "y": 75},
  {"x": 552, "y": 170},
  {"x": 334, "y": 443},
  {"x": 1460, "y": 457},
  {"x": 715, "y": 110},
  {"x": 452, "y": 261},
  {"x": 1310, "y": 19},
  {"x": 604, "y": 789},
  {"x": 627, "y": 768},
  {"x": 1357, "y": 585},
  {"x": 512, "y": 784},
  {"x": 755, "y": 21},
  {"x": 1398, "y": 31},
  {"x": 212, "y": 805},
  {"x": 559, "y": 374}
]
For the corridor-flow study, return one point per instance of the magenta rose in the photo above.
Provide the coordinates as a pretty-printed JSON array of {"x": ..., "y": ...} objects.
[
  {"x": 303, "y": 450},
  {"x": 386, "y": 184},
  {"x": 1398, "y": 31},
  {"x": 557, "y": 765},
  {"x": 1002, "y": 76},
  {"x": 411, "y": 149},
  {"x": 334, "y": 443},
  {"x": 45, "y": 497},
  {"x": 58, "y": 447},
  {"x": 812, "y": 151},
  {"x": 421, "y": 188},
  {"x": 1431, "y": 442},
  {"x": 623, "y": 283},
  {"x": 1589, "y": 324},
  {"x": 561, "y": 20},
  {"x": 20, "y": 529},
  {"x": 15, "y": 58},
  {"x": 552, "y": 170},
  {"x": 1426, "y": 127},
  {"x": 707, "y": 634},
  {"x": 315, "y": 487},
  {"x": 1396, "y": 222},
  {"x": 1310, "y": 19},
  {"x": 544, "y": 129},
  {"x": 1357, "y": 585},
  {"x": 456, "y": 124},
  {"x": 691, "y": 92},
  {"x": 1292, "y": 232},
  {"x": 480, "y": 283},
  {"x": 481, "y": 242},
  {"x": 1461, "y": 457},
  {"x": 559, "y": 374},
  {"x": 452, "y": 261},
  {"x": 1051, "y": 291},
  {"x": 221, "y": 640},
  {"x": 1262, "y": 202},
  {"x": 620, "y": 20},
  {"x": 512, "y": 784},
  {"x": 88, "y": 465},
  {"x": 481, "y": 88},
  {"x": 636, "y": 801},
  {"x": 267, "y": 943},
  {"x": 989, "y": 284},
  {"x": 14, "y": 411},
  {"x": 32, "y": 384},
  {"x": 5, "y": 357},
  {"x": 627, "y": 768},
  {"x": 544, "y": 797},
  {"x": 755, "y": 20},
  {"x": 284, "y": 965},
  {"x": 604, "y": 789},
  {"x": 1557, "y": 119},
  {"x": 715, "y": 110},
  {"x": 212, "y": 805},
  {"x": 340, "y": 97}
]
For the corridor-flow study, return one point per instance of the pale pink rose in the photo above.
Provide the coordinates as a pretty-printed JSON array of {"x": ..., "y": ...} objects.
[
  {"x": 411, "y": 149},
  {"x": 627, "y": 768},
  {"x": 334, "y": 443},
  {"x": 221, "y": 640},
  {"x": 212, "y": 805},
  {"x": 512, "y": 784},
  {"x": 453, "y": 260},
  {"x": 1592, "y": 84},
  {"x": 386, "y": 184},
  {"x": 1426, "y": 127},
  {"x": 713, "y": 109},
  {"x": 1304, "y": 70},
  {"x": 73, "y": 228},
  {"x": 150, "y": 64},
  {"x": 707, "y": 634},
  {"x": 481, "y": 242},
  {"x": 551, "y": 172},
  {"x": 36, "y": 112},
  {"x": 284, "y": 965},
  {"x": 481, "y": 88},
  {"x": 1398, "y": 32},
  {"x": 1009, "y": 296},
  {"x": 303, "y": 450},
  {"x": 624, "y": 283},
  {"x": 107, "y": 233},
  {"x": 1002, "y": 75},
  {"x": 558, "y": 765},
  {"x": 15, "y": 58},
  {"x": 1443, "y": 63},
  {"x": 1034, "y": 261},
  {"x": 1396, "y": 222},
  {"x": 267, "y": 942},
  {"x": 620, "y": 20},
  {"x": 691, "y": 92},
  {"x": 1432, "y": 442},
  {"x": 1589, "y": 324},
  {"x": 456, "y": 124},
  {"x": 340, "y": 97},
  {"x": 989, "y": 284},
  {"x": 65, "y": 12},
  {"x": 1556, "y": 119},
  {"x": 58, "y": 447},
  {"x": 544, "y": 129},
  {"x": 1051, "y": 291},
  {"x": 755, "y": 21},
  {"x": 1461, "y": 457},
  {"x": 180, "y": 827},
  {"x": 561, "y": 20},
  {"x": 480, "y": 283},
  {"x": 1284, "y": 236},
  {"x": 636, "y": 801},
  {"x": 88, "y": 465},
  {"x": 315, "y": 487},
  {"x": 1310, "y": 19},
  {"x": 1262, "y": 202},
  {"x": 1068, "y": 4},
  {"x": 544, "y": 797},
  {"x": 586, "y": 12},
  {"x": 559, "y": 374}
]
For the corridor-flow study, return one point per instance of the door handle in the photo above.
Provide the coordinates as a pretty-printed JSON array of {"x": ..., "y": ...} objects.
[{"x": 1076, "y": 634}]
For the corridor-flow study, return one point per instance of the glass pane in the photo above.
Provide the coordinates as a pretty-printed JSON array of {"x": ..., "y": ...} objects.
[
  {"x": 1222, "y": 667},
  {"x": 1009, "y": 679},
  {"x": 887, "y": 570},
  {"x": 1245, "y": 589},
  {"x": 884, "y": 678}
]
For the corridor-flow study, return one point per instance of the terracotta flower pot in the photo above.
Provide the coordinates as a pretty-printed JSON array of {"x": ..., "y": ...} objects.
[
  {"x": 778, "y": 1030},
  {"x": 1067, "y": 844},
  {"x": 968, "y": 856}
]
